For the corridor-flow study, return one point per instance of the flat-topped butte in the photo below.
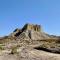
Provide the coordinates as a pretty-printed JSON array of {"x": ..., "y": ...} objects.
[{"x": 32, "y": 27}]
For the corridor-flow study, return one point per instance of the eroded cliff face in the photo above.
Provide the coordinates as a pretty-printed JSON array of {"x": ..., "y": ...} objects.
[
  {"x": 29, "y": 30},
  {"x": 32, "y": 27},
  {"x": 28, "y": 27},
  {"x": 33, "y": 32}
]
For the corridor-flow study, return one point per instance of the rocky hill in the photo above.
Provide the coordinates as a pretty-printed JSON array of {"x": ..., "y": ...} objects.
[
  {"x": 30, "y": 43},
  {"x": 34, "y": 32}
]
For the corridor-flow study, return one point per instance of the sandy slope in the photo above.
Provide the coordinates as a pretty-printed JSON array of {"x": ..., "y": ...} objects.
[{"x": 30, "y": 54}]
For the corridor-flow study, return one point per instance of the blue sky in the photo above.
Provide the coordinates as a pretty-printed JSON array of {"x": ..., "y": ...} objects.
[{"x": 15, "y": 13}]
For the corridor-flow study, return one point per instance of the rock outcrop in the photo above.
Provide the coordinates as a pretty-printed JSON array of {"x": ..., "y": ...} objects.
[
  {"x": 32, "y": 27},
  {"x": 32, "y": 31}
]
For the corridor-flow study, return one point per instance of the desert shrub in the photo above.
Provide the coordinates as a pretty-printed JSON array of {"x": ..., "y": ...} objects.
[
  {"x": 14, "y": 50},
  {"x": 27, "y": 41},
  {"x": 1, "y": 48},
  {"x": 58, "y": 41}
]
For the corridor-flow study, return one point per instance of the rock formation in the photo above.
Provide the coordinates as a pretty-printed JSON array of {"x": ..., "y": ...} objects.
[
  {"x": 30, "y": 43},
  {"x": 32, "y": 27},
  {"x": 32, "y": 31}
]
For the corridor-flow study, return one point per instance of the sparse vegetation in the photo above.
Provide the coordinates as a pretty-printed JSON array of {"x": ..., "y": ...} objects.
[
  {"x": 14, "y": 50},
  {"x": 1, "y": 47}
]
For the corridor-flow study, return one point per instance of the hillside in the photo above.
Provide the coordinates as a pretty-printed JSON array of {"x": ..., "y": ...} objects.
[{"x": 30, "y": 43}]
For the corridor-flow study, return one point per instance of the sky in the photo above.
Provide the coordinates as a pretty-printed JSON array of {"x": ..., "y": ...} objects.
[{"x": 16, "y": 13}]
